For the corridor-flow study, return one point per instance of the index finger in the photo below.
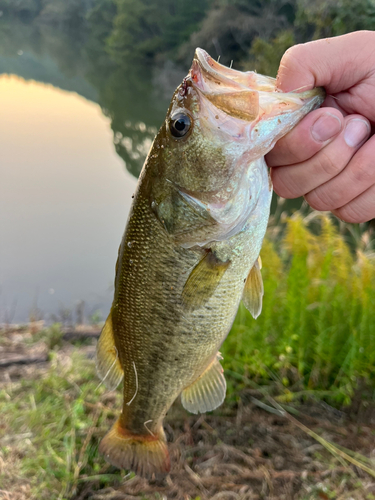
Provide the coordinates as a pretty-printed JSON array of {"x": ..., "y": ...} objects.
[
  {"x": 325, "y": 63},
  {"x": 314, "y": 132}
]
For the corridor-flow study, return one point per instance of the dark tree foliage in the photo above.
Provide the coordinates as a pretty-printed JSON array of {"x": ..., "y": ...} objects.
[
  {"x": 325, "y": 18},
  {"x": 229, "y": 28},
  {"x": 23, "y": 9},
  {"x": 264, "y": 56},
  {"x": 59, "y": 13},
  {"x": 145, "y": 29}
]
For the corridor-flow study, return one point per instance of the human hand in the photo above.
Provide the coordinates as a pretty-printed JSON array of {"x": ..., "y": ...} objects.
[{"x": 329, "y": 157}]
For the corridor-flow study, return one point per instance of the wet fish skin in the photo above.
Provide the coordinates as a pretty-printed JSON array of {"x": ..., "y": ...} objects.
[{"x": 193, "y": 237}]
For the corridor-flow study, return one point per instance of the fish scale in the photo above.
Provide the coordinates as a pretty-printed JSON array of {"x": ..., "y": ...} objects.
[
  {"x": 153, "y": 327},
  {"x": 190, "y": 253}
]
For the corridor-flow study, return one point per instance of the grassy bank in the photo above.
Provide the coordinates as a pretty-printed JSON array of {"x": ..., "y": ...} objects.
[
  {"x": 313, "y": 344},
  {"x": 53, "y": 419},
  {"x": 316, "y": 333}
]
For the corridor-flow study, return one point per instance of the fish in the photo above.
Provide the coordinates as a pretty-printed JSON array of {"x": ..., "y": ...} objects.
[{"x": 190, "y": 253}]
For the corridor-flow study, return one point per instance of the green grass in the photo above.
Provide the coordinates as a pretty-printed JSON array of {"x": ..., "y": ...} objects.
[
  {"x": 50, "y": 425},
  {"x": 316, "y": 333}
]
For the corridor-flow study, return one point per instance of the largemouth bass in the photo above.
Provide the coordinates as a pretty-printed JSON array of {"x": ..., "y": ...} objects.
[{"x": 190, "y": 252}]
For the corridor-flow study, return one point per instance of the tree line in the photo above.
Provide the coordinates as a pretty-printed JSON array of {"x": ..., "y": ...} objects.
[{"x": 149, "y": 31}]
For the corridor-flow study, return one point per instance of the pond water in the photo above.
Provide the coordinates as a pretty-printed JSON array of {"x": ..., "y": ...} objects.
[
  {"x": 74, "y": 131},
  {"x": 64, "y": 200}
]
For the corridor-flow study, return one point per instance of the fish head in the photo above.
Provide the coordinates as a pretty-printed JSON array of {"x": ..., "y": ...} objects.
[
  {"x": 219, "y": 122},
  {"x": 219, "y": 115}
]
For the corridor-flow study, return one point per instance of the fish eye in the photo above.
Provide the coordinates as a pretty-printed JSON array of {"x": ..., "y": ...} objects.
[{"x": 179, "y": 125}]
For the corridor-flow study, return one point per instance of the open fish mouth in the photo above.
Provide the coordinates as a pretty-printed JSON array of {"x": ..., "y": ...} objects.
[{"x": 248, "y": 96}]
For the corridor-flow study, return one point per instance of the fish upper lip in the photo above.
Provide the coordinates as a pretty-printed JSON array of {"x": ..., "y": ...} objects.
[
  {"x": 245, "y": 95},
  {"x": 203, "y": 59},
  {"x": 227, "y": 79},
  {"x": 213, "y": 72}
]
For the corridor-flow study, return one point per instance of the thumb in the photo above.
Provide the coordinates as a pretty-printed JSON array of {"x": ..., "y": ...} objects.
[{"x": 325, "y": 63}]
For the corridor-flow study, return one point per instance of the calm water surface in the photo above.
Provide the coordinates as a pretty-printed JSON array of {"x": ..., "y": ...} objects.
[
  {"x": 64, "y": 201},
  {"x": 74, "y": 131}
]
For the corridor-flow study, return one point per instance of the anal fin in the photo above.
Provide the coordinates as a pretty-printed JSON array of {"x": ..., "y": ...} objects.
[
  {"x": 253, "y": 292},
  {"x": 108, "y": 364},
  {"x": 208, "y": 391},
  {"x": 203, "y": 281}
]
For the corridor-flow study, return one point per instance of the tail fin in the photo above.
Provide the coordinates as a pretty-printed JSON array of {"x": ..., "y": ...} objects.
[{"x": 143, "y": 454}]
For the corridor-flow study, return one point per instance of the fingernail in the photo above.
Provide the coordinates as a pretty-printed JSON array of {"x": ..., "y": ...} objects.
[
  {"x": 356, "y": 131},
  {"x": 326, "y": 127}
]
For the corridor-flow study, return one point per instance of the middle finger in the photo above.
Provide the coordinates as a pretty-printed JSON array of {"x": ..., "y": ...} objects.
[{"x": 296, "y": 180}]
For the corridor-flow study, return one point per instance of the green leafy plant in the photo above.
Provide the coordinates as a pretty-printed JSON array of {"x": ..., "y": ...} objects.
[{"x": 315, "y": 331}]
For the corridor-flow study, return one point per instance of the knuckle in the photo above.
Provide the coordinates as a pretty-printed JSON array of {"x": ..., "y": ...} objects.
[
  {"x": 293, "y": 55},
  {"x": 290, "y": 150},
  {"x": 327, "y": 165},
  {"x": 282, "y": 184},
  {"x": 362, "y": 172},
  {"x": 318, "y": 201},
  {"x": 349, "y": 213}
]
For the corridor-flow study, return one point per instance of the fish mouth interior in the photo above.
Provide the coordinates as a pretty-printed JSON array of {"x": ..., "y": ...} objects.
[
  {"x": 244, "y": 95},
  {"x": 224, "y": 87}
]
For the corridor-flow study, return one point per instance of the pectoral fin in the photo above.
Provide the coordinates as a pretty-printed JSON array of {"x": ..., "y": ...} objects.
[
  {"x": 203, "y": 281},
  {"x": 254, "y": 291},
  {"x": 108, "y": 364},
  {"x": 208, "y": 391}
]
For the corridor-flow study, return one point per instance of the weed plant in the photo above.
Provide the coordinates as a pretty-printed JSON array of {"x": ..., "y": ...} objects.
[{"x": 316, "y": 333}]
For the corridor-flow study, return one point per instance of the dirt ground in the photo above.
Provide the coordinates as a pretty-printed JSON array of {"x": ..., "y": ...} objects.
[
  {"x": 240, "y": 453},
  {"x": 250, "y": 454}
]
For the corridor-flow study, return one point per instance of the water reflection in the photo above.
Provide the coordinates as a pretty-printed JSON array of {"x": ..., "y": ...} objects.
[
  {"x": 64, "y": 200},
  {"x": 135, "y": 98},
  {"x": 64, "y": 192}
]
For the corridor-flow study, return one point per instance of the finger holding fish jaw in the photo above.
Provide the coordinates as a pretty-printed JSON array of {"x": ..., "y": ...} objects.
[
  {"x": 330, "y": 156},
  {"x": 328, "y": 161}
]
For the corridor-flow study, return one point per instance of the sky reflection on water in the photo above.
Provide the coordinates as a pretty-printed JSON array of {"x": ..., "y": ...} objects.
[{"x": 64, "y": 200}]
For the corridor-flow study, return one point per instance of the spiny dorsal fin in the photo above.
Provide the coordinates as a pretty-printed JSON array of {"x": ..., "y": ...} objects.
[
  {"x": 253, "y": 292},
  {"x": 208, "y": 391},
  {"x": 108, "y": 364},
  {"x": 203, "y": 281}
]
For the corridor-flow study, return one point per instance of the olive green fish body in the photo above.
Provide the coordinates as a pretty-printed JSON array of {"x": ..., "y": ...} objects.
[
  {"x": 162, "y": 346},
  {"x": 190, "y": 253}
]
